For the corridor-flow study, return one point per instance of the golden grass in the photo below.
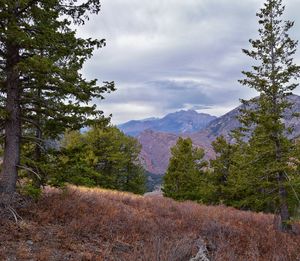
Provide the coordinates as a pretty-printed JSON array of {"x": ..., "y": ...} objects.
[{"x": 96, "y": 224}]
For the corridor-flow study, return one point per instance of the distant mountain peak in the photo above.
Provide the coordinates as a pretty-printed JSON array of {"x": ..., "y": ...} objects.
[{"x": 183, "y": 121}]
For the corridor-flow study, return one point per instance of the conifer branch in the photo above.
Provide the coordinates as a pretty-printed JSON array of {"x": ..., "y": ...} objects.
[{"x": 30, "y": 170}]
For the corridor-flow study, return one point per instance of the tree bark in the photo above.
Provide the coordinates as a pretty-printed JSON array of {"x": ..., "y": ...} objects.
[
  {"x": 283, "y": 207},
  {"x": 12, "y": 126},
  {"x": 284, "y": 211}
]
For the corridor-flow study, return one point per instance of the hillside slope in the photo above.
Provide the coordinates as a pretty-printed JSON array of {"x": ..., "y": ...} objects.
[{"x": 93, "y": 224}]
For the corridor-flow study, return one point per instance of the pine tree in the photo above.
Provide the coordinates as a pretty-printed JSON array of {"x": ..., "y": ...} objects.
[
  {"x": 103, "y": 157},
  {"x": 230, "y": 176},
  {"x": 272, "y": 77},
  {"x": 184, "y": 173},
  {"x": 41, "y": 89},
  {"x": 117, "y": 159},
  {"x": 222, "y": 166}
]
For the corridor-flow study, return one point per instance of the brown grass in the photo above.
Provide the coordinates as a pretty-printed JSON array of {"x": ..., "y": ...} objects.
[{"x": 93, "y": 224}]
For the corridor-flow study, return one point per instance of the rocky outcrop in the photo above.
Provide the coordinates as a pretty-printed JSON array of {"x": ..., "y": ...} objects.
[{"x": 202, "y": 254}]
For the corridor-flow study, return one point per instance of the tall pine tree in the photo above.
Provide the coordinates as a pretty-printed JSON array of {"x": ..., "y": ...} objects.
[
  {"x": 41, "y": 89},
  {"x": 272, "y": 76}
]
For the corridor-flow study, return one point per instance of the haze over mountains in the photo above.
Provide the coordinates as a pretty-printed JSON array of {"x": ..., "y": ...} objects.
[
  {"x": 178, "y": 122},
  {"x": 157, "y": 136}
]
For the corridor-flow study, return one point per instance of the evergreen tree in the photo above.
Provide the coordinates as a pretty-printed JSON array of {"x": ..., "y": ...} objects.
[
  {"x": 100, "y": 157},
  {"x": 222, "y": 166},
  {"x": 243, "y": 187},
  {"x": 185, "y": 171},
  {"x": 231, "y": 177},
  {"x": 70, "y": 164},
  {"x": 240, "y": 177},
  {"x": 41, "y": 89},
  {"x": 117, "y": 158},
  {"x": 271, "y": 77}
]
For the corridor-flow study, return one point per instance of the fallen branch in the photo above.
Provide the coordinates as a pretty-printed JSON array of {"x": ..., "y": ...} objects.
[{"x": 14, "y": 213}]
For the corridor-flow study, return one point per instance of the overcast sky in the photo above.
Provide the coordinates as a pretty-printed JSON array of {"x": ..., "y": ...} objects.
[{"x": 167, "y": 55}]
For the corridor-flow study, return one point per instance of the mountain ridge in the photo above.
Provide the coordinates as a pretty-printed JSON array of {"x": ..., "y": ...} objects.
[
  {"x": 183, "y": 121},
  {"x": 155, "y": 153}
]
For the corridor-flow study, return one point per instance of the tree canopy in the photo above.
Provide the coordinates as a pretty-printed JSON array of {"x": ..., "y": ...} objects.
[
  {"x": 103, "y": 157},
  {"x": 185, "y": 171},
  {"x": 42, "y": 90},
  {"x": 272, "y": 76}
]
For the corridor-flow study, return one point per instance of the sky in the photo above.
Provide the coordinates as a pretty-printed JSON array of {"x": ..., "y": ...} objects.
[{"x": 169, "y": 55}]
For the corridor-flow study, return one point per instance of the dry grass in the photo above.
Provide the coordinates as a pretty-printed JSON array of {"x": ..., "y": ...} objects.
[{"x": 93, "y": 224}]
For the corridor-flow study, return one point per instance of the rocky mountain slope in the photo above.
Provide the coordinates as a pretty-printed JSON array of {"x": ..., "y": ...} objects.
[
  {"x": 155, "y": 152},
  {"x": 228, "y": 122},
  {"x": 177, "y": 123},
  {"x": 156, "y": 146}
]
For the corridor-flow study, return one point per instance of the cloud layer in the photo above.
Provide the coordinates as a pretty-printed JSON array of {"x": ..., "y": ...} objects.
[{"x": 166, "y": 55}]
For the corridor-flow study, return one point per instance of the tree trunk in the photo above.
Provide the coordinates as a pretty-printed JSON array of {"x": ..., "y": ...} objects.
[
  {"x": 283, "y": 208},
  {"x": 12, "y": 126}
]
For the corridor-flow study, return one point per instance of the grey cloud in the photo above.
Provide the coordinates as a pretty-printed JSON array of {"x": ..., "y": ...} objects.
[
  {"x": 161, "y": 97},
  {"x": 166, "y": 55}
]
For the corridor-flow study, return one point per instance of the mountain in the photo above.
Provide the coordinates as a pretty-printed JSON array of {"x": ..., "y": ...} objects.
[
  {"x": 156, "y": 146},
  {"x": 155, "y": 153},
  {"x": 177, "y": 123},
  {"x": 228, "y": 122}
]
